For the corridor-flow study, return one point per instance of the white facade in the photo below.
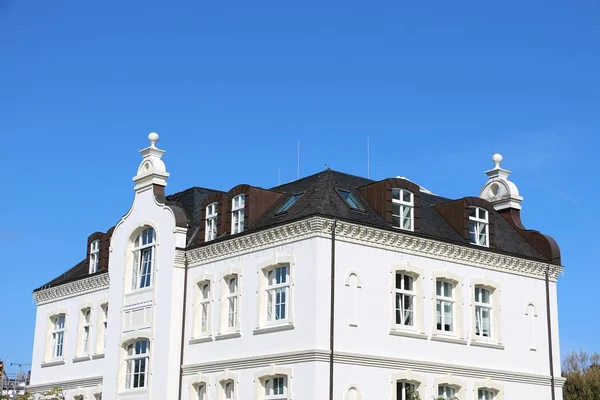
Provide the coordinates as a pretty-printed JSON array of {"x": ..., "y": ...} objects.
[{"x": 237, "y": 343}]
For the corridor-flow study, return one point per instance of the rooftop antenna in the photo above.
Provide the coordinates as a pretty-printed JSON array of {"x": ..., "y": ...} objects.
[
  {"x": 368, "y": 159},
  {"x": 277, "y": 176},
  {"x": 298, "y": 159}
]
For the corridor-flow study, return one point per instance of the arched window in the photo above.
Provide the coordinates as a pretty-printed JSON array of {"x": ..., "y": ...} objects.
[
  {"x": 143, "y": 259},
  {"x": 203, "y": 308},
  {"x": 210, "y": 232},
  {"x": 94, "y": 256},
  {"x": 353, "y": 283},
  {"x": 274, "y": 383},
  {"x": 479, "y": 226},
  {"x": 403, "y": 209},
  {"x": 531, "y": 312},
  {"x": 237, "y": 213},
  {"x": 352, "y": 394},
  {"x": 137, "y": 362}
]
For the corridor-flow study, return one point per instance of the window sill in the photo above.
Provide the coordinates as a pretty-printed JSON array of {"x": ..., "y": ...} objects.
[
  {"x": 489, "y": 345},
  {"x": 448, "y": 339},
  {"x": 406, "y": 333},
  {"x": 130, "y": 392},
  {"x": 97, "y": 356},
  {"x": 53, "y": 363},
  {"x": 274, "y": 328},
  {"x": 201, "y": 339},
  {"x": 81, "y": 358},
  {"x": 228, "y": 335},
  {"x": 139, "y": 291}
]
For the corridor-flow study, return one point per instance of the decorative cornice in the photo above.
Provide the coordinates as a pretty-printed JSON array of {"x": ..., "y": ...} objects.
[
  {"x": 374, "y": 237},
  {"x": 365, "y": 360},
  {"x": 75, "y": 288},
  {"x": 66, "y": 385}
]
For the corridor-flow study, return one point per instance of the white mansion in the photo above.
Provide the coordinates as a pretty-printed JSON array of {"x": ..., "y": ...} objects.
[{"x": 329, "y": 287}]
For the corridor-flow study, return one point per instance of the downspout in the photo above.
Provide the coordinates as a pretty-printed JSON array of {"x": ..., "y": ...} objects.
[
  {"x": 185, "y": 279},
  {"x": 332, "y": 310},
  {"x": 551, "y": 358}
]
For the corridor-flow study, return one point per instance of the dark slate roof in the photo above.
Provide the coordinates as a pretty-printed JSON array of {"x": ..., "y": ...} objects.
[{"x": 321, "y": 198}]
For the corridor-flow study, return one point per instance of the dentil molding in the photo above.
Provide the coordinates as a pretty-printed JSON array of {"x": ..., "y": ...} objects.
[{"x": 75, "y": 288}]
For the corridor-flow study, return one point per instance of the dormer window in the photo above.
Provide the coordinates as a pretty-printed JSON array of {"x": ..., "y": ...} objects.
[
  {"x": 211, "y": 222},
  {"x": 94, "y": 256},
  {"x": 403, "y": 209},
  {"x": 350, "y": 200},
  {"x": 479, "y": 226},
  {"x": 237, "y": 213}
]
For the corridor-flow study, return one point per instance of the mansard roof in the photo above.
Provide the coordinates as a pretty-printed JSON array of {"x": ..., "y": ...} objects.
[{"x": 321, "y": 198}]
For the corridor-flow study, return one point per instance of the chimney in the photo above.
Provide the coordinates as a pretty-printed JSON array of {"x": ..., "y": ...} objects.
[
  {"x": 498, "y": 190},
  {"x": 152, "y": 170}
]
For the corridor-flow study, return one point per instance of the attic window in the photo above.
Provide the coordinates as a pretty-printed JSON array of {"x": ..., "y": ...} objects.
[
  {"x": 94, "y": 256},
  {"x": 350, "y": 199},
  {"x": 402, "y": 209},
  {"x": 290, "y": 202},
  {"x": 478, "y": 226}
]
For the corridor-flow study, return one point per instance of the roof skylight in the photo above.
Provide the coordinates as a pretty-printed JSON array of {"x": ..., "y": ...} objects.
[
  {"x": 290, "y": 202},
  {"x": 350, "y": 199}
]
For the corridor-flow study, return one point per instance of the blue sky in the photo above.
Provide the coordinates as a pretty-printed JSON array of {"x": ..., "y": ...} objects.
[{"x": 231, "y": 86}]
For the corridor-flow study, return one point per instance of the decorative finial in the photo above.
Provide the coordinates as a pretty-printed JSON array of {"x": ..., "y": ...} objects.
[
  {"x": 153, "y": 138},
  {"x": 497, "y": 159}
]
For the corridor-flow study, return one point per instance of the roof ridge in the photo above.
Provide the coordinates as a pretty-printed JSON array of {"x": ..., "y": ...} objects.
[{"x": 193, "y": 188}]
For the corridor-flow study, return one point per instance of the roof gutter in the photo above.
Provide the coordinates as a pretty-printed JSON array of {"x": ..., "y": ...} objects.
[
  {"x": 332, "y": 310},
  {"x": 185, "y": 279},
  {"x": 549, "y": 321}
]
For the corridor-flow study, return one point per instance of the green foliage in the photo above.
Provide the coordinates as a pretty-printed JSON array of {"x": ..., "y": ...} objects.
[{"x": 582, "y": 371}]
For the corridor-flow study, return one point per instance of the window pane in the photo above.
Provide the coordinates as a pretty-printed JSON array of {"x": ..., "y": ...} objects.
[
  {"x": 408, "y": 282},
  {"x": 407, "y": 196},
  {"x": 396, "y": 193}
]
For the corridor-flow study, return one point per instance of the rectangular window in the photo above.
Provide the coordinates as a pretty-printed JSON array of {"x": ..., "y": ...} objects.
[
  {"x": 350, "y": 200},
  {"x": 85, "y": 339},
  {"x": 402, "y": 209},
  {"x": 290, "y": 202},
  {"x": 405, "y": 391},
  {"x": 211, "y": 222},
  {"x": 204, "y": 305},
  {"x": 58, "y": 335},
  {"x": 137, "y": 361},
  {"x": 201, "y": 391},
  {"x": 105, "y": 325},
  {"x": 444, "y": 292},
  {"x": 237, "y": 213},
  {"x": 483, "y": 312},
  {"x": 478, "y": 226},
  {"x": 277, "y": 293},
  {"x": 405, "y": 300},
  {"x": 484, "y": 394},
  {"x": 143, "y": 259},
  {"x": 232, "y": 302},
  {"x": 229, "y": 389},
  {"x": 276, "y": 388},
  {"x": 446, "y": 392},
  {"x": 94, "y": 256}
]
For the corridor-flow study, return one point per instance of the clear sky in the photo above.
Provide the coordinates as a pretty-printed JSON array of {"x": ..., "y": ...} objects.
[{"x": 231, "y": 86}]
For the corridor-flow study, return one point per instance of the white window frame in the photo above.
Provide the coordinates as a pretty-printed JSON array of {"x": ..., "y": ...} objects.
[
  {"x": 263, "y": 378},
  {"x": 203, "y": 305},
  {"x": 277, "y": 293},
  {"x": 480, "y": 307},
  {"x": 238, "y": 203},
  {"x": 401, "y": 294},
  {"x": 418, "y": 328},
  {"x": 452, "y": 382},
  {"x": 85, "y": 330},
  {"x": 495, "y": 338},
  {"x": 406, "y": 209},
  {"x": 143, "y": 257},
  {"x": 94, "y": 256},
  {"x": 352, "y": 282},
  {"x": 491, "y": 386},
  {"x": 102, "y": 327},
  {"x": 131, "y": 362},
  {"x": 223, "y": 379},
  {"x": 348, "y": 392},
  {"x": 457, "y": 335},
  {"x": 229, "y": 325},
  {"x": 479, "y": 226},
  {"x": 262, "y": 323},
  {"x": 58, "y": 333},
  {"x": 411, "y": 378},
  {"x": 443, "y": 300},
  {"x": 197, "y": 381},
  {"x": 211, "y": 215}
]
